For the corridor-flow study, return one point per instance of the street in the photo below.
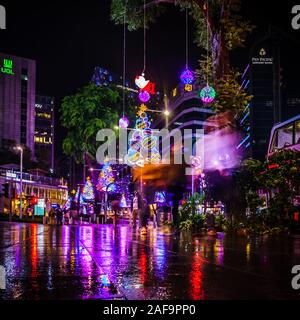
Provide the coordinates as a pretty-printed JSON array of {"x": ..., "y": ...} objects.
[{"x": 107, "y": 262}]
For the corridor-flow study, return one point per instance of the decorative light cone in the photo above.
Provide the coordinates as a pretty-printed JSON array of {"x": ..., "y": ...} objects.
[
  {"x": 123, "y": 123},
  {"x": 208, "y": 94},
  {"x": 187, "y": 77},
  {"x": 144, "y": 96}
]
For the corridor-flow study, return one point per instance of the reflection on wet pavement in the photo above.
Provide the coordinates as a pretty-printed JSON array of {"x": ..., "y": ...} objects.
[{"x": 107, "y": 262}]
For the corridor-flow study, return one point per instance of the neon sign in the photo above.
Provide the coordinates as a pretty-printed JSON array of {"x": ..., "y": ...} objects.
[{"x": 7, "y": 67}]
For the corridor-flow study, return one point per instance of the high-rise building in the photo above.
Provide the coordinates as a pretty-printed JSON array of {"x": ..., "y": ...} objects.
[
  {"x": 17, "y": 100},
  {"x": 271, "y": 78},
  {"x": 44, "y": 131}
]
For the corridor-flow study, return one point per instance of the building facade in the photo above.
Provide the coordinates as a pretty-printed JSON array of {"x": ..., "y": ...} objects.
[
  {"x": 44, "y": 131},
  {"x": 17, "y": 100},
  {"x": 271, "y": 78}
]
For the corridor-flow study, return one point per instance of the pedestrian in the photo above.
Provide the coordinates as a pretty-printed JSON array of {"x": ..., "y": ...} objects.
[
  {"x": 135, "y": 209},
  {"x": 52, "y": 216},
  {"x": 59, "y": 216},
  {"x": 144, "y": 214}
]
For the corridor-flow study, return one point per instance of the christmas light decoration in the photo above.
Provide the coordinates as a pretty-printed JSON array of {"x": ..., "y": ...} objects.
[
  {"x": 144, "y": 96},
  {"x": 187, "y": 77},
  {"x": 88, "y": 191},
  {"x": 106, "y": 179},
  {"x": 123, "y": 122},
  {"x": 208, "y": 94},
  {"x": 142, "y": 142}
]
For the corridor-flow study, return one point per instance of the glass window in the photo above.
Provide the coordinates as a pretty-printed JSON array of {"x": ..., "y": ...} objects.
[{"x": 283, "y": 137}]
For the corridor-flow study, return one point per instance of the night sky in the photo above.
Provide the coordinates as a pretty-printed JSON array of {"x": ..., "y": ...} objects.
[{"x": 68, "y": 39}]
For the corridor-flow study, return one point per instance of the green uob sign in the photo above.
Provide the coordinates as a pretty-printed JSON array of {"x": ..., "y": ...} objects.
[{"x": 7, "y": 67}]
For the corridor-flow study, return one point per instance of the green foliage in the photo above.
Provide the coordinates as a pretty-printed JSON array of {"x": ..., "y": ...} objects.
[
  {"x": 188, "y": 214},
  {"x": 222, "y": 15},
  {"x": 236, "y": 27},
  {"x": 83, "y": 114},
  {"x": 134, "y": 13},
  {"x": 279, "y": 179}
]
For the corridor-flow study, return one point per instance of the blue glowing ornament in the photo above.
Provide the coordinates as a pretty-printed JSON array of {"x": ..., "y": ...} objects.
[{"x": 187, "y": 77}]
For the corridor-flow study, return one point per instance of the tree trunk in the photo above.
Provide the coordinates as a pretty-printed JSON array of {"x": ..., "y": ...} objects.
[{"x": 220, "y": 55}]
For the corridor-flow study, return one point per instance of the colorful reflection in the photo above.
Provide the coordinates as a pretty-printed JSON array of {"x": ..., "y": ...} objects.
[{"x": 196, "y": 277}]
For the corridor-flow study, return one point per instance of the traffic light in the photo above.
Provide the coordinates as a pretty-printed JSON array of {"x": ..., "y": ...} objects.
[{"x": 5, "y": 190}]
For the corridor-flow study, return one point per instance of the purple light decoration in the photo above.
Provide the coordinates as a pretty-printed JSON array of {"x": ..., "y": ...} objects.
[
  {"x": 187, "y": 77},
  {"x": 123, "y": 123},
  {"x": 144, "y": 96}
]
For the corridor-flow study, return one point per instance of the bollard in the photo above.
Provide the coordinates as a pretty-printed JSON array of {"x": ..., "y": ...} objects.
[
  {"x": 90, "y": 220},
  {"x": 80, "y": 220},
  {"x": 97, "y": 220},
  {"x": 44, "y": 220},
  {"x": 71, "y": 220},
  {"x": 94, "y": 218}
]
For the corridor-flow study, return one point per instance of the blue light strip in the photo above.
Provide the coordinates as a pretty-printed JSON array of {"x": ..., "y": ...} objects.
[
  {"x": 248, "y": 137},
  {"x": 247, "y": 114}
]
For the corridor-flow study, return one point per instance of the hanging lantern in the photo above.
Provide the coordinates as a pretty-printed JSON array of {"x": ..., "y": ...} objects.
[
  {"x": 123, "y": 122},
  {"x": 208, "y": 94},
  {"x": 187, "y": 77},
  {"x": 144, "y": 96}
]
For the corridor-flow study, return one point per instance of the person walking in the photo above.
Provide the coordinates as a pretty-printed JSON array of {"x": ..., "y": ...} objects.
[
  {"x": 59, "y": 216},
  {"x": 135, "y": 209}
]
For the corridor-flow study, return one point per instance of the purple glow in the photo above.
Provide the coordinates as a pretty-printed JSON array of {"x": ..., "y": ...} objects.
[
  {"x": 187, "y": 77},
  {"x": 144, "y": 96},
  {"x": 123, "y": 123}
]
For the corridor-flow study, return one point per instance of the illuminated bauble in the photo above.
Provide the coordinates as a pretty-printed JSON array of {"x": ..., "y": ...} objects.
[
  {"x": 144, "y": 96},
  {"x": 143, "y": 115},
  {"x": 187, "y": 77},
  {"x": 123, "y": 123},
  {"x": 208, "y": 94}
]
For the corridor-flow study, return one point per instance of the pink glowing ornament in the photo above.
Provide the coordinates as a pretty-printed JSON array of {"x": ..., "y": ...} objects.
[
  {"x": 123, "y": 122},
  {"x": 144, "y": 96},
  {"x": 187, "y": 77},
  {"x": 208, "y": 94}
]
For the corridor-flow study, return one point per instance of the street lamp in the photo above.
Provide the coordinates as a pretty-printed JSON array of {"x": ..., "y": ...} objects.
[{"x": 19, "y": 148}]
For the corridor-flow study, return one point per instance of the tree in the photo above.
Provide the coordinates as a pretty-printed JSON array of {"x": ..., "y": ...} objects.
[
  {"x": 83, "y": 114},
  {"x": 227, "y": 28}
]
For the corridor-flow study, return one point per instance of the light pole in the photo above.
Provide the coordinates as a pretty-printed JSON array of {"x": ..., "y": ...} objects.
[{"x": 19, "y": 148}]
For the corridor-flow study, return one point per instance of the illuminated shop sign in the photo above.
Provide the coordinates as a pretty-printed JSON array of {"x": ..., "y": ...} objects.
[{"x": 7, "y": 66}]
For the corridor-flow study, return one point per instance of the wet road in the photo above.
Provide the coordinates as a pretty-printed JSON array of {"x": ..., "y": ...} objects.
[{"x": 104, "y": 262}]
